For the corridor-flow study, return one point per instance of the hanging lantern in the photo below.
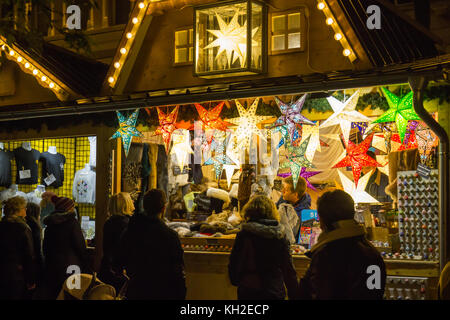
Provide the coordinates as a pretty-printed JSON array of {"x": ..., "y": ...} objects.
[{"x": 230, "y": 39}]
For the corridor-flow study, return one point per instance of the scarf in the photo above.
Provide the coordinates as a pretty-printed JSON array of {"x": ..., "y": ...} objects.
[{"x": 344, "y": 229}]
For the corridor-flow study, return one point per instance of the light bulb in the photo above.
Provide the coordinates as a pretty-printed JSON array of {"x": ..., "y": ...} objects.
[
  {"x": 329, "y": 21},
  {"x": 19, "y": 59},
  {"x": 117, "y": 65},
  {"x": 11, "y": 53},
  {"x": 51, "y": 85},
  {"x": 141, "y": 5},
  {"x": 135, "y": 20},
  {"x": 111, "y": 79},
  {"x": 123, "y": 51},
  {"x": 129, "y": 35},
  {"x": 338, "y": 36},
  {"x": 346, "y": 52},
  {"x": 44, "y": 78},
  {"x": 27, "y": 65},
  {"x": 35, "y": 72},
  {"x": 320, "y": 5}
]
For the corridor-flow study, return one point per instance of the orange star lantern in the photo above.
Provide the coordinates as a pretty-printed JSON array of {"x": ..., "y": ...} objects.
[
  {"x": 210, "y": 120},
  {"x": 357, "y": 158},
  {"x": 167, "y": 125}
]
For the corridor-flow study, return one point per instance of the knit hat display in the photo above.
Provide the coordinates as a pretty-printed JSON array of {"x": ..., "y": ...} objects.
[{"x": 63, "y": 203}]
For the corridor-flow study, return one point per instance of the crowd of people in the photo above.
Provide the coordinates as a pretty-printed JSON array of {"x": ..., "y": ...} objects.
[{"x": 143, "y": 253}]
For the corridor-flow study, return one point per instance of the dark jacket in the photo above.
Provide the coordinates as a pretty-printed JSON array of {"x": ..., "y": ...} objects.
[
  {"x": 152, "y": 255},
  {"x": 37, "y": 245},
  {"x": 110, "y": 271},
  {"x": 16, "y": 258},
  {"x": 63, "y": 246},
  {"x": 261, "y": 263},
  {"x": 338, "y": 270}
]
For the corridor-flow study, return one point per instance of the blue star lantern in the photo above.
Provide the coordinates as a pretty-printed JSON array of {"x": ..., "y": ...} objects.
[{"x": 127, "y": 130}]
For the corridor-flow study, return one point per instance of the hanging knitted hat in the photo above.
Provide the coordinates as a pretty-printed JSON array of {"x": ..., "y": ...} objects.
[{"x": 63, "y": 204}]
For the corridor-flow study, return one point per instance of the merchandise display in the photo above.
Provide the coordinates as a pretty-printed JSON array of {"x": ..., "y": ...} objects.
[
  {"x": 27, "y": 164},
  {"x": 84, "y": 186},
  {"x": 5, "y": 167},
  {"x": 53, "y": 168}
]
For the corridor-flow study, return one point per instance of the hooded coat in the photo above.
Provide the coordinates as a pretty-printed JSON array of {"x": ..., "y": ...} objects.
[
  {"x": 152, "y": 255},
  {"x": 63, "y": 246},
  {"x": 17, "y": 269},
  {"x": 261, "y": 263},
  {"x": 303, "y": 203}
]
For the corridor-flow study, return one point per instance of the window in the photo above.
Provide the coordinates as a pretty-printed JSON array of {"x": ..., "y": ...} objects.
[
  {"x": 184, "y": 47},
  {"x": 287, "y": 32}
]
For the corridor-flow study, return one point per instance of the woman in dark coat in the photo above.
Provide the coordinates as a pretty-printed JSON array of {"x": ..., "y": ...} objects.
[
  {"x": 121, "y": 207},
  {"x": 63, "y": 245},
  {"x": 32, "y": 220},
  {"x": 260, "y": 261},
  {"x": 17, "y": 277}
]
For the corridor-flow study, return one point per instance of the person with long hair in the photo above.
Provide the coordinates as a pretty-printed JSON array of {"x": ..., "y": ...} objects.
[{"x": 260, "y": 262}]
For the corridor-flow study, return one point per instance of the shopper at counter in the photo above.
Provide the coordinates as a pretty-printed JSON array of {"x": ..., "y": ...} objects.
[
  {"x": 295, "y": 197},
  {"x": 260, "y": 261},
  {"x": 151, "y": 254},
  {"x": 120, "y": 209},
  {"x": 17, "y": 275},
  {"x": 63, "y": 245},
  {"x": 341, "y": 257}
]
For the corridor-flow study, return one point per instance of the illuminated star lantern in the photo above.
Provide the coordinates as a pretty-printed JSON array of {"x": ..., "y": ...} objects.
[
  {"x": 314, "y": 142},
  {"x": 362, "y": 126},
  {"x": 291, "y": 116},
  {"x": 426, "y": 140},
  {"x": 167, "y": 125},
  {"x": 229, "y": 171},
  {"x": 247, "y": 124},
  {"x": 384, "y": 161},
  {"x": 231, "y": 39},
  {"x": 220, "y": 158},
  {"x": 357, "y": 158},
  {"x": 358, "y": 193},
  {"x": 308, "y": 174},
  {"x": 379, "y": 142},
  {"x": 285, "y": 135},
  {"x": 295, "y": 156},
  {"x": 400, "y": 110},
  {"x": 127, "y": 129},
  {"x": 181, "y": 146},
  {"x": 211, "y": 120},
  {"x": 344, "y": 114}
]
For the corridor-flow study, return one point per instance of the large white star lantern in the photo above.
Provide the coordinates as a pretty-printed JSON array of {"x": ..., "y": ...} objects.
[{"x": 358, "y": 193}]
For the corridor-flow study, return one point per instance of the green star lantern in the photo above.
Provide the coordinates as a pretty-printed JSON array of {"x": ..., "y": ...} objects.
[
  {"x": 400, "y": 110},
  {"x": 127, "y": 129}
]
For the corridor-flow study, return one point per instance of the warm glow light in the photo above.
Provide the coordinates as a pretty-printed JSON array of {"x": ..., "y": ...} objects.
[
  {"x": 11, "y": 53},
  {"x": 51, "y": 85},
  {"x": 338, "y": 36},
  {"x": 141, "y": 5},
  {"x": 129, "y": 35},
  {"x": 321, "y": 5},
  {"x": 346, "y": 52},
  {"x": 35, "y": 72},
  {"x": 19, "y": 59},
  {"x": 44, "y": 78},
  {"x": 111, "y": 79},
  {"x": 135, "y": 20},
  {"x": 117, "y": 65},
  {"x": 123, "y": 51},
  {"x": 329, "y": 21},
  {"x": 3, "y": 47},
  {"x": 27, "y": 65}
]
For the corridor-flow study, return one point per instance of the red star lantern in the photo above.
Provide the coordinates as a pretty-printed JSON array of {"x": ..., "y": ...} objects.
[
  {"x": 167, "y": 125},
  {"x": 410, "y": 143},
  {"x": 357, "y": 158},
  {"x": 210, "y": 120}
]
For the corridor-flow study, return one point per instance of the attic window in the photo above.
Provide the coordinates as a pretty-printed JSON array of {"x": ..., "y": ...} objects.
[
  {"x": 287, "y": 32},
  {"x": 184, "y": 46}
]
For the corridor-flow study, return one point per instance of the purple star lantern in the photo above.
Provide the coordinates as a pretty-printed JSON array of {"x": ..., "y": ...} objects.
[
  {"x": 291, "y": 116},
  {"x": 303, "y": 173}
]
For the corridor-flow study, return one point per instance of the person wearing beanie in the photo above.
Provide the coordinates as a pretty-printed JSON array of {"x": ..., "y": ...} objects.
[
  {"x": 343, "y": 262},
  {"x": 63, "y": 246},
  {"x": 151, "y": 254}
]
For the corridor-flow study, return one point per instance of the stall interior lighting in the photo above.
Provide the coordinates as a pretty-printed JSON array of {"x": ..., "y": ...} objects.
[
  {"x": 119, "y": 60},
  {"x": 339, "y": 35}
]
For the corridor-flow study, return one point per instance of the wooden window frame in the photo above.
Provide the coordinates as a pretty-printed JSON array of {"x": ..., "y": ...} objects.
[
  {"x": 188, "y": 46},
  {"x": 286, "y": 33}
]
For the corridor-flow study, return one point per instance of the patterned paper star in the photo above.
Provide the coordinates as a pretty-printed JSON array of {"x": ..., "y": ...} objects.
[
  {"x": 246, "y": 123},
  {"x": 229, "y": 171},
  {"x": 314, "y": 143},
  {"x": 285, "y": 135},
  {"x": 357, "y": 158},
  {"x": 220, "y": 158},
  {"x": 211, "y": 120},
  {"x": 231, "y": 39},
  {"x": 426, "y": 140},
  {"x": 181, "y": 146},
  {"x": 167, "y": 125},
  {"x": 308, "y": 174},
  {"x": 344, "y": 114},
  {"x": 295, "y": 156},
  {"x": 379, "y": 143},
  {"x": 127, "y": 130},
  {"x": 400, "y": 110},
  {"x": 291, "y": 116},
  {"x": 358, "y": 192}
]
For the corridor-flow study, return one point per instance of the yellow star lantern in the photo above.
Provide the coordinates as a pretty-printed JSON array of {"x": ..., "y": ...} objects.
[
  {"x": 246, "y": 123},
  {"x": 231, "y": 39},
  {"x": 358, "y": 193},
  {"x": 181, "y": 146}
]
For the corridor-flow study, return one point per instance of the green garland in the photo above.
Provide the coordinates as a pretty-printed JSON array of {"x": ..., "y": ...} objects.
[{"x": 188, "y": 113}]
